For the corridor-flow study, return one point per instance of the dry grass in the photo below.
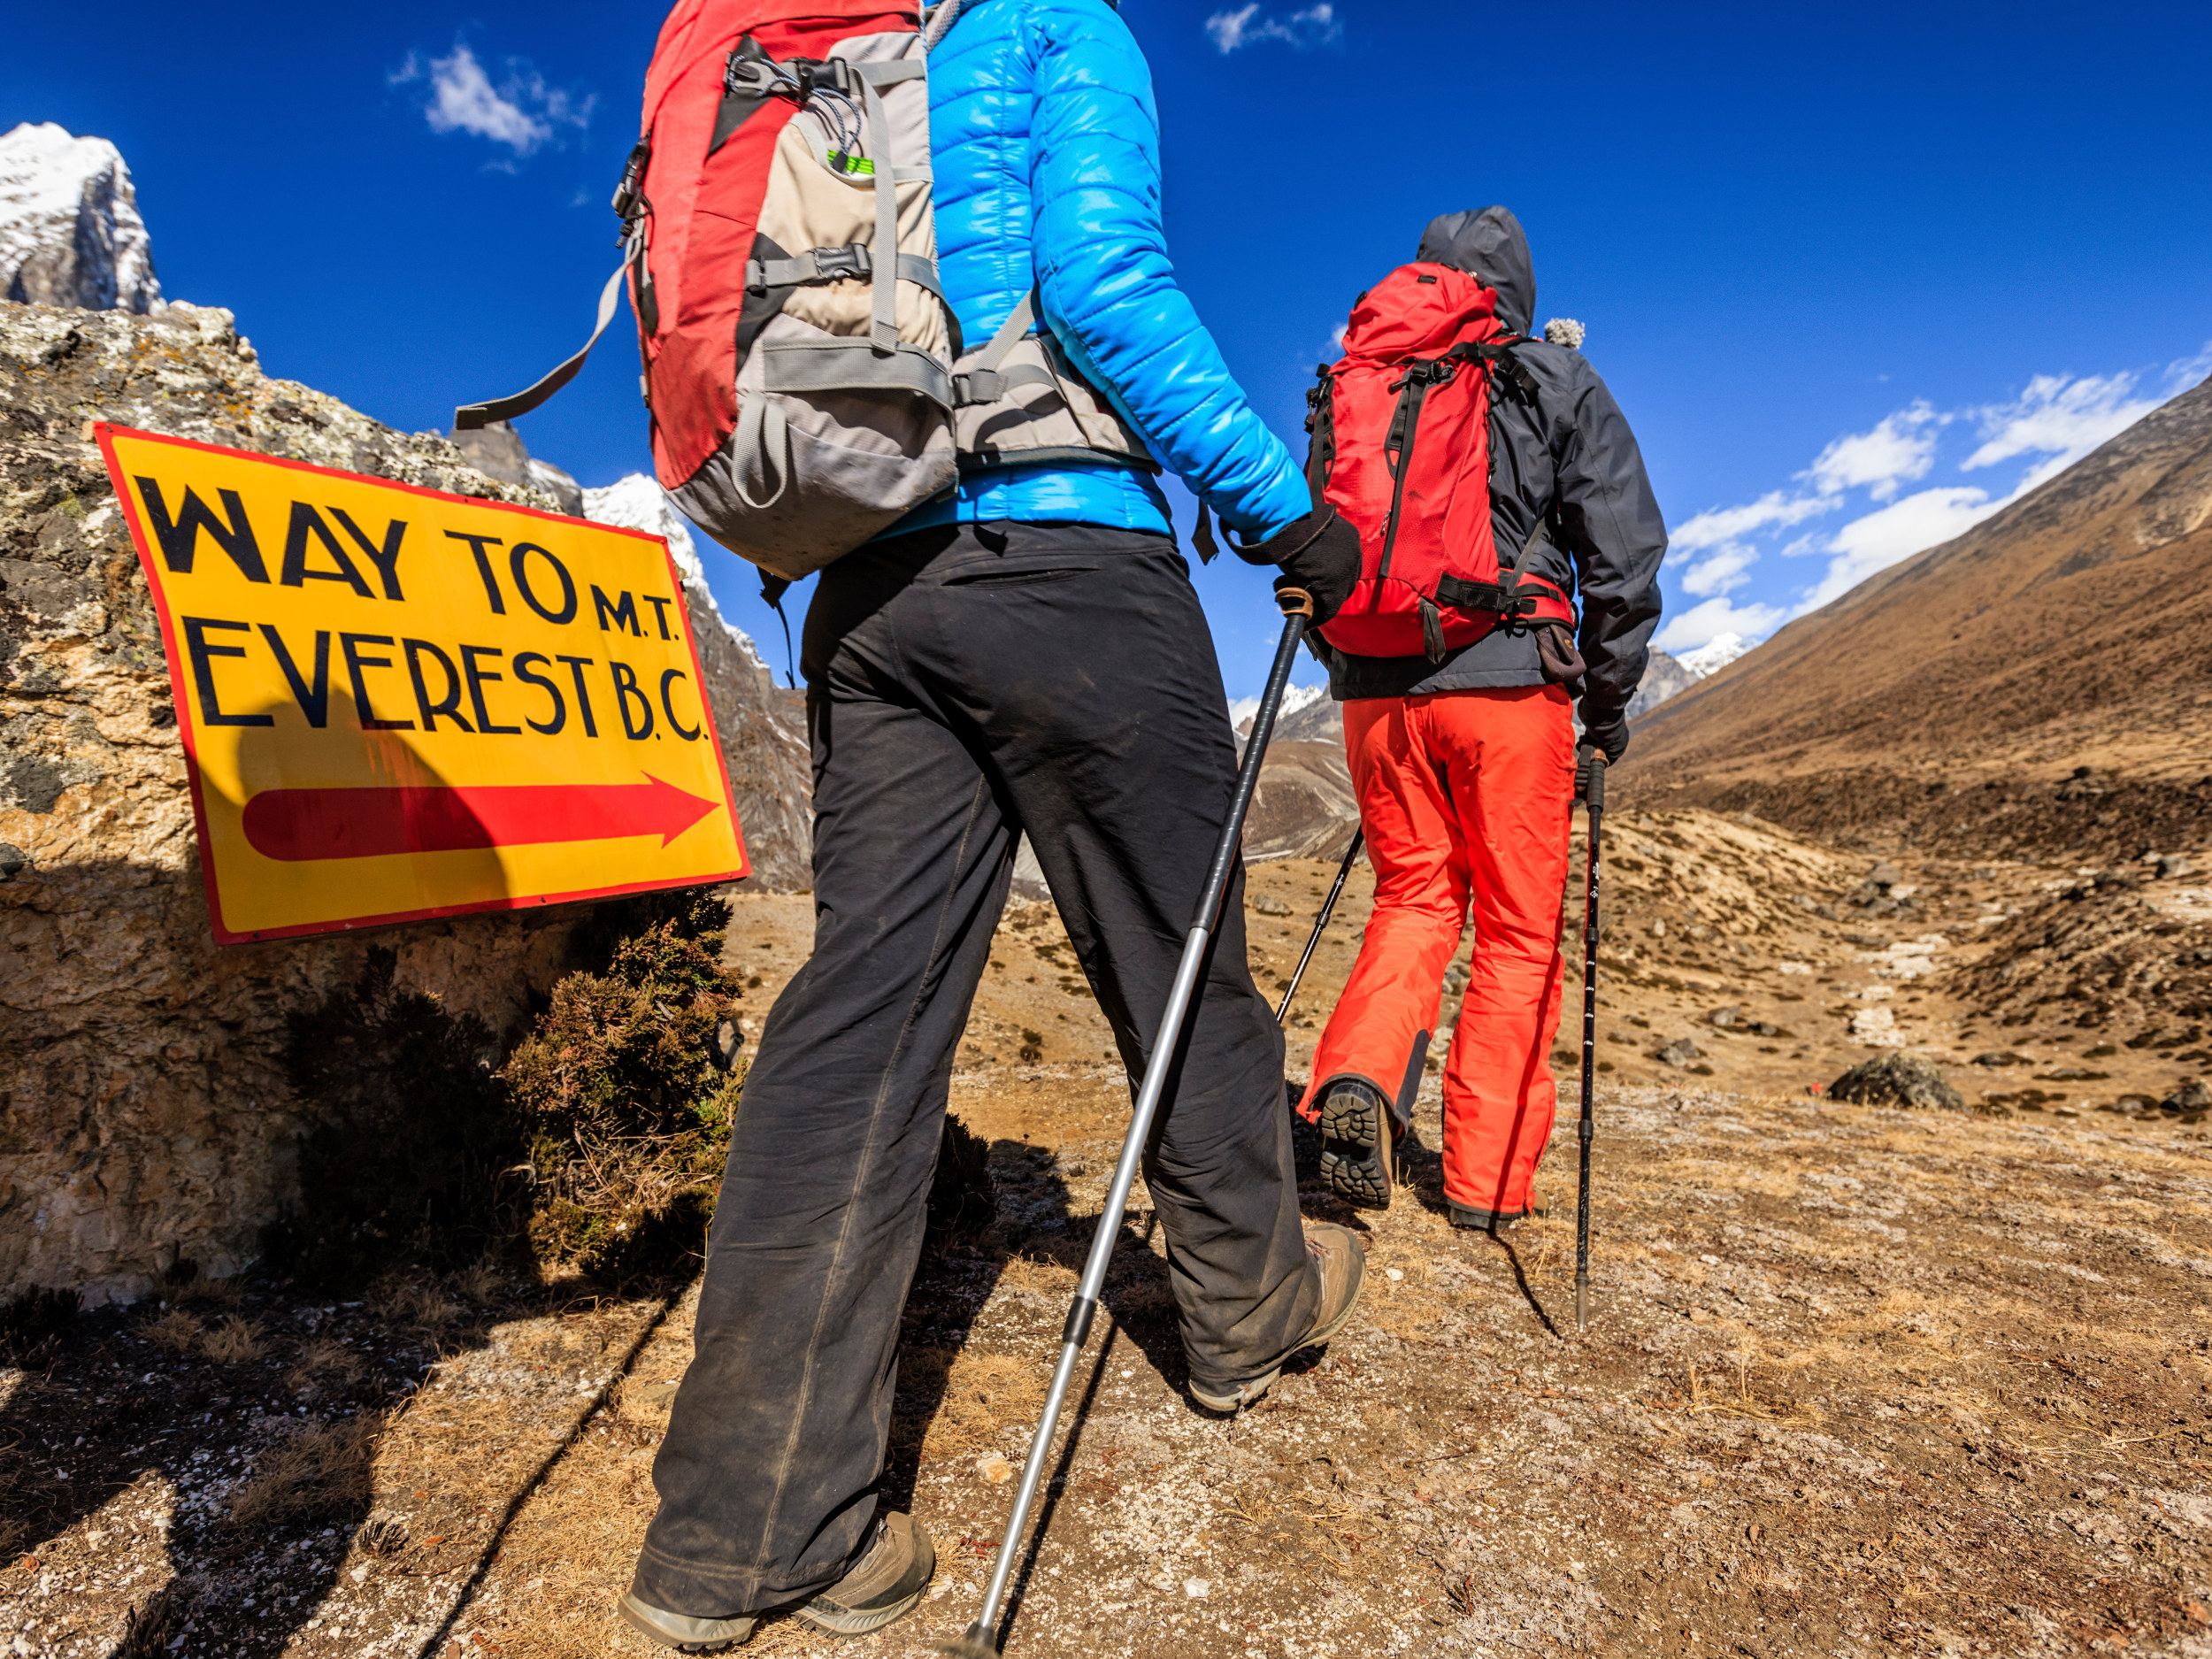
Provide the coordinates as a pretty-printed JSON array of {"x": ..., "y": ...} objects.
[
  {"x": 323, "y": 1362},
  {"x": 318, "y": 1471},
  {"x": 176, "y": 1330},
  {"x": 236, "y": 1342},
  {"x": 416, "y": 1304},
  {"x": 484, "y": 1284},
  {"x": 978, "y": 1396}
]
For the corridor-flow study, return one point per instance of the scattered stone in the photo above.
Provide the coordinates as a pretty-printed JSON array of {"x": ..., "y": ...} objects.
[
  {"x": 2071, "y": 1074},
  {"x": 1681, "y": 1051},
  {"x": 2002, "y": 1057},
  {"x": 1738, "y": 1020},
  {"x": 2173, "y": 865},
  {"x": 1897, "y": 1079},
  {"x": 993, "y": 1468},
  {"x": 2189, "y": 1103},
  {"x": 1867, "y": 942},
  {"x": 1876, "y": 1028},
  {"x": 1268, "y": 905},
  {"x": 13, "y": 862},
  {"x": 1883, "y": 876}
]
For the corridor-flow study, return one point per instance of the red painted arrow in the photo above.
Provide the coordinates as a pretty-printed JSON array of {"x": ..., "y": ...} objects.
[{"x": 292, "y": 825}]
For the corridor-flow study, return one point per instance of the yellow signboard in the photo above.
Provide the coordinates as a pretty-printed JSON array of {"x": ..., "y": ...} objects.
[{"x": 398, "y": 704}]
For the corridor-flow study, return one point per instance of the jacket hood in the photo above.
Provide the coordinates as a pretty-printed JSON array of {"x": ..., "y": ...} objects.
[{"x": 1490, "y": 246}]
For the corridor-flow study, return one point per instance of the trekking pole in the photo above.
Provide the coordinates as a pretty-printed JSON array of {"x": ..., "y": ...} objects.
[
  {"x": 980, "y": 1639},
  {"x": 1321, "y": 922},
  {"x": 1596, "y": 805}
]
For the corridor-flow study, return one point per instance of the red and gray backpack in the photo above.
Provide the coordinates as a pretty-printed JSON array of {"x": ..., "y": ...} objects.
[
  {"x": 806, "y": 378},
  {"x": 1401, "y": 449}
]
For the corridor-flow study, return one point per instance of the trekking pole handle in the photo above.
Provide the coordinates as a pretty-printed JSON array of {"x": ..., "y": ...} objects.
[
  {"x": 1294, "y": 602},
  {"x": 1593, "y": 797}
]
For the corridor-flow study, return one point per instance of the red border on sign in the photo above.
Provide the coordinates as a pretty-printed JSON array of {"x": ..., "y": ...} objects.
[{"x": 107, "y": 431}]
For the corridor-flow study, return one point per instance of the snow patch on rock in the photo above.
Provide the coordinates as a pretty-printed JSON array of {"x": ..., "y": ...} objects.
[{"x": 70, "y": 232}]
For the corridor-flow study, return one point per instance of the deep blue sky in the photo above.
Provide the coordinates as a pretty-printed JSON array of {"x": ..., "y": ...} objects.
[{"x": 1784, "y": 227}]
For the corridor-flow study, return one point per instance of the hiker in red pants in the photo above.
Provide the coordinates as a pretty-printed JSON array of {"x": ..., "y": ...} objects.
[{"x": 1458, "y": 660}]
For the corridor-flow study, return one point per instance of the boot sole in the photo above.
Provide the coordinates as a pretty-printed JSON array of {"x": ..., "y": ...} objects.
[
  {"x": 645, "y": 1627},
  {"x": 1355, "y": 1149},
  {"x": 860, "y": 1623}
]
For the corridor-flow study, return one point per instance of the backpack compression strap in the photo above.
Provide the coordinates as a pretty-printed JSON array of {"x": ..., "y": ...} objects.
[{"x": 472, "y": 417}]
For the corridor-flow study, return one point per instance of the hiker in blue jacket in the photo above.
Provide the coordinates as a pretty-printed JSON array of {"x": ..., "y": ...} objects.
[{"x": 1027, "y": 655}]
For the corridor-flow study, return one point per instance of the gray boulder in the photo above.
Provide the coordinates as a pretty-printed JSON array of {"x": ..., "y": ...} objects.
[{"x": 1897, "y": 1079}]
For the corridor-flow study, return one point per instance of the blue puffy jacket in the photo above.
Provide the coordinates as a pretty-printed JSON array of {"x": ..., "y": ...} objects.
[{"x": 1047, "y": 152}]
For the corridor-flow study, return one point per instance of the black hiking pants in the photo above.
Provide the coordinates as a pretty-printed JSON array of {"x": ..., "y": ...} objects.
[{"x": 963, "y": 684}]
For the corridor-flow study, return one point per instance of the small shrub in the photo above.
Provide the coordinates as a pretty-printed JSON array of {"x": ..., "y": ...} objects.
[
  {"x": 176, "y": 1330},
  {"x": 235, "y": 1341},
  {"x": 35, "y": 1315},
  {"x": 627, "y": 1110}
]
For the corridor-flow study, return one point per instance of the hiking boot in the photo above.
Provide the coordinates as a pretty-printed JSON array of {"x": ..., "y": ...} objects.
[
  {"x": 1490, "y": 1221},
  {"x": 683, "y": 1633},
  {"x": 1357, "y": 1141},
  {"x": 1342, "y": 1260},
  {"x": 885, "y": 1584}
]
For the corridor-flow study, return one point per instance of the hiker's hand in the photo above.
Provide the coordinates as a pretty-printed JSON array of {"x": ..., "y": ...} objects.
[
  {"x": 1605, "y": 729},
  {"x": 1588, "y": 759},
  {"x": 1320, "y": 553}
]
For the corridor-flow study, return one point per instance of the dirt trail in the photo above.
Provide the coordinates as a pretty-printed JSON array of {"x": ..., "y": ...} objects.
[{"x": 1860, "y": 1381}]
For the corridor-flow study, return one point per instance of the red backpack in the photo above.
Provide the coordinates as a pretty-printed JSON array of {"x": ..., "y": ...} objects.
[
  {"x": 807, "y": 382},
  {"x": 1402, "y": 450}
]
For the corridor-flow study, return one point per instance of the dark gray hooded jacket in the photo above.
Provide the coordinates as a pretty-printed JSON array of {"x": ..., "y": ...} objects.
[{"x": 1569, "y": 457}]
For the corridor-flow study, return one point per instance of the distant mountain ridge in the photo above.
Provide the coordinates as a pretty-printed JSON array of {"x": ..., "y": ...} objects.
[{"x": 2072, "y": 630}]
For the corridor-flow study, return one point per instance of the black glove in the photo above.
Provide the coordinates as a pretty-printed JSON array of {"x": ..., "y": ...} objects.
[
  {"x": 1320, "y": 553},
  {"x": 1605, "y": 729}
]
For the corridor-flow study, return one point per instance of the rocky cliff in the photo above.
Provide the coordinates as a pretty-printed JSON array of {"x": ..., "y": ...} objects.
[{"x": 145, "y": 1116}]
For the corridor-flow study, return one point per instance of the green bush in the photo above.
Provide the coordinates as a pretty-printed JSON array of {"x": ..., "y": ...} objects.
[{"x": 625, "y": 1105}]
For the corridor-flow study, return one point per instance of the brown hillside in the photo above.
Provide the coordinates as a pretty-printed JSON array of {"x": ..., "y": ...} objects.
[{"x": 1961, "y": 691}]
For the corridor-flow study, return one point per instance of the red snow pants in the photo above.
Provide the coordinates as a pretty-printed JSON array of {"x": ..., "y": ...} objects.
[{"x": 1466, "y": 798}]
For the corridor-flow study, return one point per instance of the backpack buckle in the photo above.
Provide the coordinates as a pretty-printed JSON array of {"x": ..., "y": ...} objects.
[
  {"x": 978, "y": 386},
  {"x": 627, "y": 193},
  {"x": 836, "y": 265}
]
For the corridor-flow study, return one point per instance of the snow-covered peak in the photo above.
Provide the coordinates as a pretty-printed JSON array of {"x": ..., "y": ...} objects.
[
  {"x": 70, "y": 232},
  {"x": 1716, "y": 654},
  {"x": 639, "y": 503},
  {"x": 1294, "y": 698}
]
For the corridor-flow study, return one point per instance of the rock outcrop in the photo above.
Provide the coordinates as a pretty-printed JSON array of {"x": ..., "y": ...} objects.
[
  {"x": 70, "y": 232},
  {"x": 146, "y": 1118}
]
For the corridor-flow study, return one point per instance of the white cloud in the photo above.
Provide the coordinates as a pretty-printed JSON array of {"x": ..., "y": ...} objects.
[
  {"x": 2059, "y": 416},
  {"x": 1701, "y": 625},
  {"x": 1247, "y": 26},
  {"x": 1717, "y": 525},
  {"x": 1898, "y": 450},
  {"x": 1898, "y": 531},
  {"x": 2188, "y": 372},
  {"x": 1723, "y": 572},
  {"x": 521, "y": 113}
]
